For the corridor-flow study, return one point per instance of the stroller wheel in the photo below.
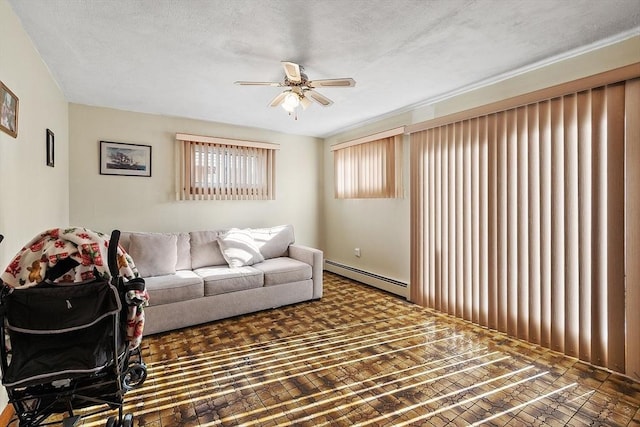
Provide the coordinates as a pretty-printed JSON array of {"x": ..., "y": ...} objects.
[
  {"x": 134, "y": 376},
  {"x": 111, "y": 422},
  {"x": 127, "y": 421}
]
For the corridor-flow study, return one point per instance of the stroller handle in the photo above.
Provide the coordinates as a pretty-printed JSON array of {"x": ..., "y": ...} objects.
[{"x": 112, "y": 253}]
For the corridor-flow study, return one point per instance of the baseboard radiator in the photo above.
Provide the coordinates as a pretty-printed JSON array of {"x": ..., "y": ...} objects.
[{"x": 385, "y": 283}]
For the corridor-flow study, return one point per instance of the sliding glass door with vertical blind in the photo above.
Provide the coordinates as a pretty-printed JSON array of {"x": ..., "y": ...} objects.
[{"x": 524, "y": 220}]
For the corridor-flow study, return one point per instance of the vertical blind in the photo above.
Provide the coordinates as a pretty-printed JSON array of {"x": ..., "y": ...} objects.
[
  {"x": 369, "y": 170},
  {"x": 225, "y": 170},
  {"x": 518, "y": 222}
]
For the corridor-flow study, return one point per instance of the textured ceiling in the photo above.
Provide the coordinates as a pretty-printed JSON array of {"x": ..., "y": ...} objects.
[{"x": 180, "y": 58}]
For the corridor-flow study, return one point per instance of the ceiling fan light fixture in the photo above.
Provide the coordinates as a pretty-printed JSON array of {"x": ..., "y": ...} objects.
[
  {"x": 305, "y": 102},
  {"x": 291, "y": 101}
]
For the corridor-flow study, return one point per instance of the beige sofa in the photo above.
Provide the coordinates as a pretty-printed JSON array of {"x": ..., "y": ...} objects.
[{"x": 201, "y": 276}]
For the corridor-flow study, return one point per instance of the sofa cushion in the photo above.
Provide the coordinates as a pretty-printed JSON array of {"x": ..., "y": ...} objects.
[
  {"x": 273, "y": 242},
  {"x": 184, "y": 251},
  {"x": 283, "y": 270},
  {"x": 205, "y": 250},
  {"x": 222, "y": 279},
  {"x": 154, "y": 254},
  {"x": 184, "y": 254},
  {"x": 181, "y": 286},
  {"x": 239, "y": 249}
]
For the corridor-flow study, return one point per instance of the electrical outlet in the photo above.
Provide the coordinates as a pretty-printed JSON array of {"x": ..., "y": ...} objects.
[{"x": 356, "y": 252}]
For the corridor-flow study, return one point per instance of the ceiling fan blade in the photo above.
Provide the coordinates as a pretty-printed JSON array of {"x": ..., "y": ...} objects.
[
  {"x": 320, "y": 99},
  {"x": 348, "y": 82},
  {"x": 274, "y": 84},
  {"x": 279, "y": 99},
  {"x": 292, "y": 70}
]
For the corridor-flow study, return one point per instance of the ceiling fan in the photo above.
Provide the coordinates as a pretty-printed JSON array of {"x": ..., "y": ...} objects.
[{"x": 301, "y": 90}]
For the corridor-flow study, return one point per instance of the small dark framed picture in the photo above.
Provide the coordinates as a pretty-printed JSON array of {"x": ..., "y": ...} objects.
[
  {"x": 8, "y": 111},
  {"x": 117, "y": 158},
  {"x": 51, "y": 147}
]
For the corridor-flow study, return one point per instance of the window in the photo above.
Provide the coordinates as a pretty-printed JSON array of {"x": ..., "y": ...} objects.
[
  {"x": 369, "y": 167},
  {"x": 217, "y": 168}
]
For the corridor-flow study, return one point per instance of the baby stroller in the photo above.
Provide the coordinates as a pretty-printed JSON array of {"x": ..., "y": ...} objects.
[{"x": 66, "y": 345}]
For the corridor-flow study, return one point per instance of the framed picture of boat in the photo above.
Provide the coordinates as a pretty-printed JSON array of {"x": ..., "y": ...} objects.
[{"x": 117, "y": 158}]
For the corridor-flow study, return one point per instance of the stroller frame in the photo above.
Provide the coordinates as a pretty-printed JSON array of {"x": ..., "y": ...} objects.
[{"x": 36, "y": 398}]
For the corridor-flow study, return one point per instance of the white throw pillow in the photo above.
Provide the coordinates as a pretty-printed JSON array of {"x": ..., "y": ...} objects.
[
  {"x": 273, "y": 242},
  {"x": 239, "y": 249},
  {"x": 154, "y": 254}
]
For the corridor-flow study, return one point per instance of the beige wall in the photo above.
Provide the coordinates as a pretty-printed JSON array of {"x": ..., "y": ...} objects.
[
  {"x": 105, "y": 202},
  {"x": 381, "y": 228},
  {"x": 33, "y": 197}
]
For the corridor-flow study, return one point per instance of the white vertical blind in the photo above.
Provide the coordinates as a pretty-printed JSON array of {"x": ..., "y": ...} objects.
[
  {"x": 519, "y": 222},
  {"x": 222, "y": 169}
]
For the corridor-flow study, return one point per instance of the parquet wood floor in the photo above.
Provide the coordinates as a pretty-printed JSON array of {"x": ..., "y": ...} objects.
[{"x": 363, "y": 357}]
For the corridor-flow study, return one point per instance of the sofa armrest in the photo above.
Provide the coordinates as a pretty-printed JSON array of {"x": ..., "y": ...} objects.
[{"x": 313, "y": 257}]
